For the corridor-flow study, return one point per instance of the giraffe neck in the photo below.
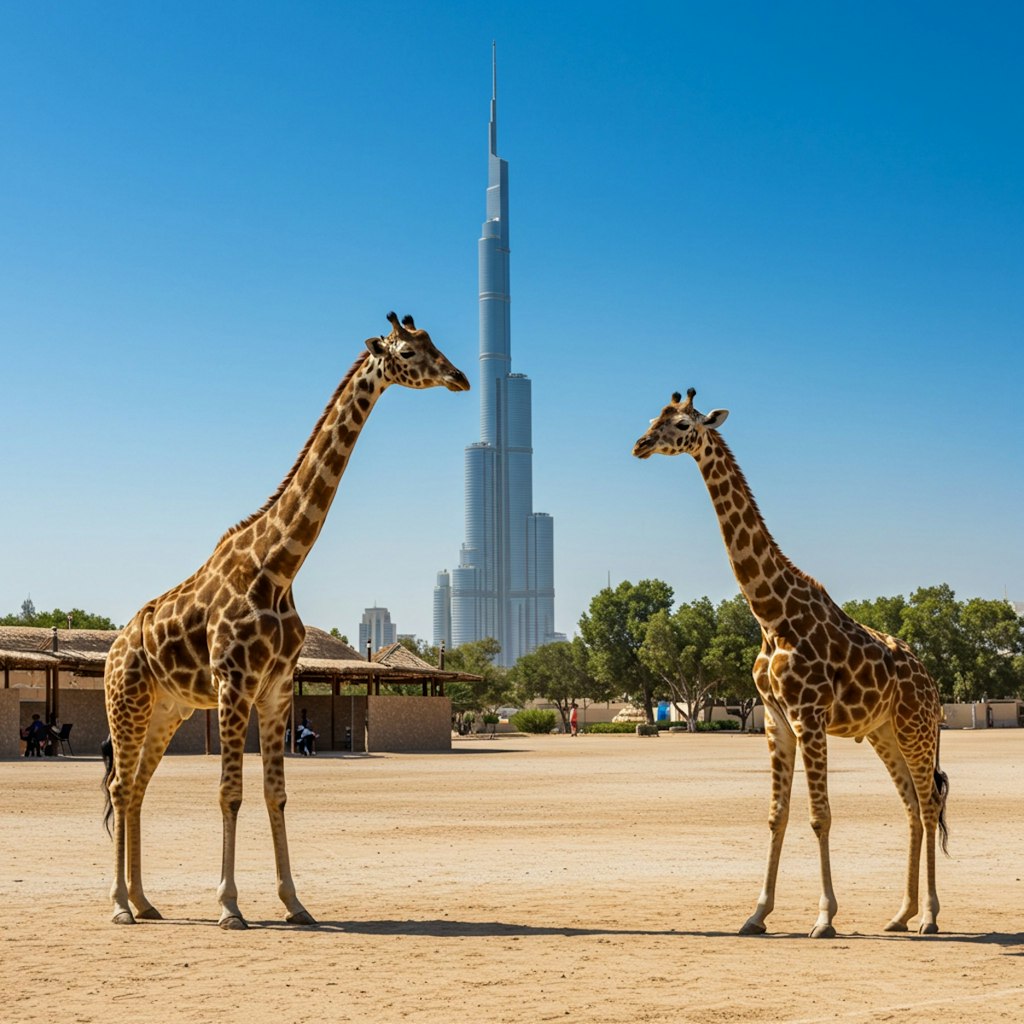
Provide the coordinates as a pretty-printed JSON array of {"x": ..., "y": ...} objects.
[
  {"x": 765, "y": 575},
  {"x": 282, "y": 533}
]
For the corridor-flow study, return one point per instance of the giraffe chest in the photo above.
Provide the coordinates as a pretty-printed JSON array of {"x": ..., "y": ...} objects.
[{"x": 844, "y": 685}]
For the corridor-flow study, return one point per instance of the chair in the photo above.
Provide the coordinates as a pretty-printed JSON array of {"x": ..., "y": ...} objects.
[{"x": 64, "y": 738}]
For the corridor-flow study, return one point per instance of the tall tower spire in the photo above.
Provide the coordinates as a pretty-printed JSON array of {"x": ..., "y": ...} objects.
[
  {"x": 504, "y": 584},
  {"x": 494, "y": 100}
]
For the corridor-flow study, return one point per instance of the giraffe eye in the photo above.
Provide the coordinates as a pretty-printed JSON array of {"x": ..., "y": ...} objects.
[{"x": 408, "y": 354}]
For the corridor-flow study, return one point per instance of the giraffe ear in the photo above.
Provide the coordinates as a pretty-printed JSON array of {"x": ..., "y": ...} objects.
[
  {"x": 376, "y": 346},
  {"x": 716, "y": 418}
]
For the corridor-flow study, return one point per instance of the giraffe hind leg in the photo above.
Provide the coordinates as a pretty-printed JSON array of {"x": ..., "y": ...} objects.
[
  {"x": 886, "y": 745},
  {"x": 167, "y": 717}
]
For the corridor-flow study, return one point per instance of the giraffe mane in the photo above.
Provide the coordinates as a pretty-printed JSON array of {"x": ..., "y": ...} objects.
[
  {"x": 726, "y": 452},
  {"x": 270, "y": 502}
]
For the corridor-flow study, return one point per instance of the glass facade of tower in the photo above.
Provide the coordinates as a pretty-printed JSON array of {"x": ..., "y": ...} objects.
[
  {"x": 503, "y": 586},
  {"x": 376, "y": 629},
  {"x": 443, "y": 610}
]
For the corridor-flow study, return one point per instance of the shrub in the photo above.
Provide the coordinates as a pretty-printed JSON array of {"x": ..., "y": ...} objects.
[
  {"x": 533, "y": 720},
  {"x": 607, "y": 727},
  {"x": 718, "y": 725}
]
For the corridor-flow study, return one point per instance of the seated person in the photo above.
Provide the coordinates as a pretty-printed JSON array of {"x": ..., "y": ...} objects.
[{"x": 33, "y": 735}]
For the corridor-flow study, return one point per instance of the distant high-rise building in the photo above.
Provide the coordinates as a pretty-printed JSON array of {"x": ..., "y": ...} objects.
[
  {"x": 377, "y": 629},
  {"x": 504, "y": 585},
  {"x": 443, "y": 610}
]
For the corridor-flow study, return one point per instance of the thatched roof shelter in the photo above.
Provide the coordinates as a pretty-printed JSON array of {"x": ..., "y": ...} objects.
[
  {"x": 81, "y": 651},
  {"x": 324, "y": 658}
]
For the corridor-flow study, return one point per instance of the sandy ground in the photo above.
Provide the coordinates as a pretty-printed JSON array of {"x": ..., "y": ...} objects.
[{"x": 521, "y": 879}]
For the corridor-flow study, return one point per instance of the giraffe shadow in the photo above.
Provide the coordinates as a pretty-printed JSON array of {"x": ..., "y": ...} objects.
[
  {"x": 1008, "y": 940},
  {"x": 441, "y": 928}
]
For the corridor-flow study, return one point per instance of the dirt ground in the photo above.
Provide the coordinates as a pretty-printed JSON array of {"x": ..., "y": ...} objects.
[{"x": 519, "y": 879}]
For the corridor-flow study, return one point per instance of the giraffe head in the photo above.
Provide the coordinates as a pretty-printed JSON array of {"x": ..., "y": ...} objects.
[
  {"x": 407, "y": 356},
  {"x": 679, "y": 428}
]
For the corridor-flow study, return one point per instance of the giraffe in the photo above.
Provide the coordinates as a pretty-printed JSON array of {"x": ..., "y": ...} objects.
[
  {"x": 819, "y": 673},
  {"x": 229, "y": 637}
]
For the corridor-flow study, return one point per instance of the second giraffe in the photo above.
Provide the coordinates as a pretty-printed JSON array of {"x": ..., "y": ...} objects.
[{"x": 819, "y": 673}]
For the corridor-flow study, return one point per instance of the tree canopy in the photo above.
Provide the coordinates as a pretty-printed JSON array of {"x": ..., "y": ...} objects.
[
  {"x": 973, "y": 649},
  {"x": 614, "y": 629},
  {"x": 559, "y": 673},
  {"x": 58, "y": 617}
]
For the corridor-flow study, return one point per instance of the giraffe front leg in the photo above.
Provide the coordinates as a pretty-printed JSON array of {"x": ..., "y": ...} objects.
[
  {"x": 814, "y": 751},
  {"x": 272, "y": 727},
  {"x": 233, "y": 715},
  {"x": 782, "y": 751}
]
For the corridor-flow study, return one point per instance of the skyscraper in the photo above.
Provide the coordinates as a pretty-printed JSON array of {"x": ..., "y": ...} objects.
[
  {"x": 376, "y": 629},
  {"x": 443, "y": 610},
  {"x": 504, "y": 584}
]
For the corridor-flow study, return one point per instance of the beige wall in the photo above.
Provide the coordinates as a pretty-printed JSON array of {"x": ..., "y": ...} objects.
[
  {"x": 10, "y": 723},
  {"x": 409, "y": 723},
  {"x": 393, "y": 723}
]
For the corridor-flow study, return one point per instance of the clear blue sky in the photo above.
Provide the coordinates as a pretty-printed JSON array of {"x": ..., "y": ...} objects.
[{"x": 810, "y": 212}]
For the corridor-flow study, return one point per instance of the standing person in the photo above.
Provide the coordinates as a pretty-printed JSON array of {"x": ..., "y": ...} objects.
[
  {"x": 574, "y": 718},
  {"x": 306, "y": 736}
]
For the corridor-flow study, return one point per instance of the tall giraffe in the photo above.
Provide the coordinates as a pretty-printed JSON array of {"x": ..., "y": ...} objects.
[
  {"x": 819, "y": 673},
  {"x": 229, "y": 636}
]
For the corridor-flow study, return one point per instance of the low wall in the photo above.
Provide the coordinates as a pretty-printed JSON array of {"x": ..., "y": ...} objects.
[
  {"x": 409, "y": 723},
  {"x": 391, "y": 723},
  {"x": 10, "y": 723}
]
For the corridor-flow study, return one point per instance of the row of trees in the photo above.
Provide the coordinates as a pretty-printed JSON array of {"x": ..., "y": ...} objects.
[
  {"x": 632, "y": 644},
  {"x": 78, "y": 618}
]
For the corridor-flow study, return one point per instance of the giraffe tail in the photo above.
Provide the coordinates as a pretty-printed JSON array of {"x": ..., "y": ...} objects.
[
  {"x": 942, "y": 794},
  {"x": 107, "y": 749}
]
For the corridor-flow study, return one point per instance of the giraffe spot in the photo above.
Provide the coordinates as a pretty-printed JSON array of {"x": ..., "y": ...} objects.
[{"x": 743, "y": 539}]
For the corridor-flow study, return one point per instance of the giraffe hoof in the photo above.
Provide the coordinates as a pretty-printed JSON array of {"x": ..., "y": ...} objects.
[
  {"x": 823, "y": 931},
  {"x": 931, "y": 928},
  {"x": 895, "y": 926},
  {"x": 124, "y": 917},
  {"x": 233, "y": 924},
  {"x": 149, "y": 914},
  {"x": 302, "y": 917},
  {"x": 752, "y": 928}
]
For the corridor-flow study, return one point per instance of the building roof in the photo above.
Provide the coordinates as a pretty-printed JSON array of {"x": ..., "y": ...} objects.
[
  {"x": 398, "y": 657},
  {"x": 323, "y": 657}
]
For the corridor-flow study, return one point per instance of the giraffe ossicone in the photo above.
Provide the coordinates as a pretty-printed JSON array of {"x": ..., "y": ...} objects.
[
  {"x": 819, "y": 673},
  {"x": 229, "y": 637}
]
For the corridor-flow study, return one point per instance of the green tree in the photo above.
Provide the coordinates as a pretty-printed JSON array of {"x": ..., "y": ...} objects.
[
  {"x": 557, "y": 673},
  {"x": 80, "y": 619},
  {"x": 338, "y": 635},
  {"x": 476, "y": 658},
  {"x": 883, "y": 613},
  {"x": 994, "y": 635},
  {"x": 931, "y": 625},
  {"x": 676, "y": 648},
  {"x": 735, "y": 647},
  {"x": 614, "y": 629}
]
